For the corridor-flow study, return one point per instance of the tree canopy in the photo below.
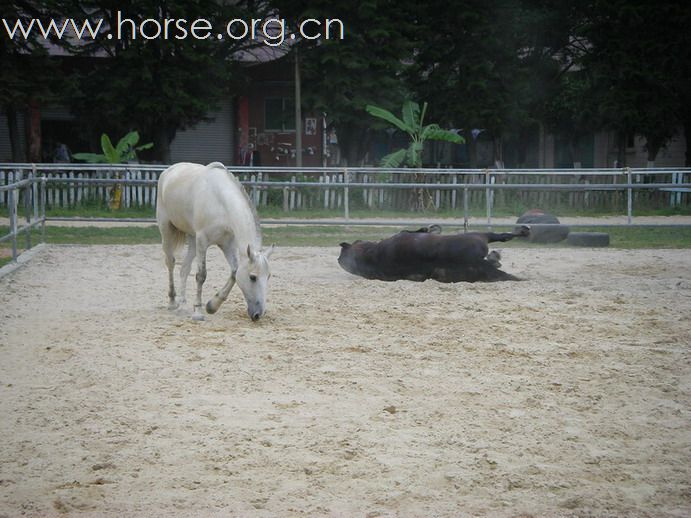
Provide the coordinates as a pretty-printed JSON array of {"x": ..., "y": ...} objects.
[
  {"x": 340, "y": 77},
  {"x": 505, "y": 67}
]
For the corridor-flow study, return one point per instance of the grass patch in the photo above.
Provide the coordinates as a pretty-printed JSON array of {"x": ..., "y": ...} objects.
[
  {"x": 135, "y": 235},
  {"x": 93, "y": 211},
  {"x": 311, "y": 235},
  {"x": 273, "y": 211}
]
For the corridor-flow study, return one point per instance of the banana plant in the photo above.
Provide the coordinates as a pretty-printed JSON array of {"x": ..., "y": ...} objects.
[
  {"x": 412, "y": 122},
  {"x": 125, "y": 150}
]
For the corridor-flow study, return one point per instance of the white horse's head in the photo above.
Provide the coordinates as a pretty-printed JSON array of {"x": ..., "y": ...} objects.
[{"x": 253, "y": 278}]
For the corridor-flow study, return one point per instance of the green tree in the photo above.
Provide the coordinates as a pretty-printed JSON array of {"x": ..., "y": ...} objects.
[
  {"x": 125, "y": 150},
  {"x": 637, "y": 57},
  {"x": 30, "y": 75},
  {"x": 467, "y": 62},
  {"x": 412, "y": 122},
  {"x": 570, "y": 112},
  {"x": 177, "y": 81},
  {"x": 494, "y": 66},
  {"x": 340, "y": 76}
]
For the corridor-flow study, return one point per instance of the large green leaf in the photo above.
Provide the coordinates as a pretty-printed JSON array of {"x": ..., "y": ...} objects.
[
  {"x": 411, "y": 115},
  {"x": 394, "y": 159},
  {"x": 414, "y": 155},
  {"x": 126, "y": 144},
  {"x": 388, "y": 117},
  {"x": 92, "y": 158},
  {"x": 434, "y": 132},
  {"x": 109, "y": 151}
]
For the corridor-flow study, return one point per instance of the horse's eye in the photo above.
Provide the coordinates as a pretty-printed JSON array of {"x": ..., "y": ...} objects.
[{"x": 253, "y": 278}]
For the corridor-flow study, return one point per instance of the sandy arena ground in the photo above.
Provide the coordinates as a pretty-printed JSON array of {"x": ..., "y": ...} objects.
[{"x": 565, "y": 395}]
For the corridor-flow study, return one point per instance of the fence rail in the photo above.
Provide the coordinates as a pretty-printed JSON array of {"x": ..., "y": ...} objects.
[
  {"x": 372, "y": 188},
  {"x": 38, "y": 186}
]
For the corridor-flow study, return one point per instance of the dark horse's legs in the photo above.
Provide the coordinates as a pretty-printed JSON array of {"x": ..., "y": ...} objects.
[{"x": 506, "y": 236}]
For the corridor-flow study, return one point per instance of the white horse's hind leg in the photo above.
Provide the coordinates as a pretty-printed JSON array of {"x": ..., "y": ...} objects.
[
  {"x": 169, "y": 251},
  {"x": 186, "y": 267},
  {"x": 221, "y": 296},
  {"x": 201, "y": 246}
]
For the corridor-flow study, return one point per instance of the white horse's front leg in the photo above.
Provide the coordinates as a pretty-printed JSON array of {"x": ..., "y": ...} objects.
[
  {"x": 220, "y": 297},
  {"x": 200, "y": 277},
  {"x": 186, "y": 267}
]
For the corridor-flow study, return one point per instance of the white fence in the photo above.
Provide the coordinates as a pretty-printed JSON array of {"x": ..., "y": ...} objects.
[{"x": 374, "y": 188}]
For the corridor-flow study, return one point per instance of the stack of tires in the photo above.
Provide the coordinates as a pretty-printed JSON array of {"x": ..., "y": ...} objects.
[{"x": 555, "y": 232}]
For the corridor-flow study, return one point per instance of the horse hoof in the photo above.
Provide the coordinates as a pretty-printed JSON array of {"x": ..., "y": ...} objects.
[
  {"x": 173, "y": 305},
  {"x": 198, "y": 317}
]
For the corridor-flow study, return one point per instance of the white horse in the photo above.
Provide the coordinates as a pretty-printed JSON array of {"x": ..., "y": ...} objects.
[{"x": 207, "y": 205}]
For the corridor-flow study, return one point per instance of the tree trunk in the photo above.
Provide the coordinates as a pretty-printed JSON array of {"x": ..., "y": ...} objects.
[
  {"x": 33, "y": 131},
  {"x": 497, "y": 152},
  {"x": 523, "y": 144},
  {"x": 687, "y": 138},
  {"x": 13, "y": 129},
  {"x": 163, "y": 136},
  {"x": 652, "y": 146},
  {"x": 351, "y": 140}
]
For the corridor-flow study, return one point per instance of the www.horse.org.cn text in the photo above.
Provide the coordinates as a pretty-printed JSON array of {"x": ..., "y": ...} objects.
[{"x": 272, "y": 32}]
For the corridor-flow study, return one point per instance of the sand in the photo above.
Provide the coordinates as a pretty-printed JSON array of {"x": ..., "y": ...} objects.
[{"x": 567, "y": 394}]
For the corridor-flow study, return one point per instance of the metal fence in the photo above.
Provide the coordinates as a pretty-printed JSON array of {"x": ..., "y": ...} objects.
[
  {"x": 31, "y": 188},
  {"x": 291, "y": 189}
]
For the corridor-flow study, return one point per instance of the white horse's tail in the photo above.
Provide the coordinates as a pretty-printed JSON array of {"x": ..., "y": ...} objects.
[{"x": 177, "y": 237}]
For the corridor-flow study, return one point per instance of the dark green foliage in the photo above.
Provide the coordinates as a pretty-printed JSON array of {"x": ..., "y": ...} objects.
[
  {"x": 638, "y": 60},
  {"x": 177, "y": 82},
  {"x": 340, "y": 77}
]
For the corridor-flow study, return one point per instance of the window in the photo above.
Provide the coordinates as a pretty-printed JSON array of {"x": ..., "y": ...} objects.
[{"x": 279, "y": 114}]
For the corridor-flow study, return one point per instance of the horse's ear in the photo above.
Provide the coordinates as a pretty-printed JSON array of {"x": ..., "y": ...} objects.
[
  {"x": 250, "y": 255},
  {"x": 345, "y": 245},
  {"x": 270, "y": 251}
]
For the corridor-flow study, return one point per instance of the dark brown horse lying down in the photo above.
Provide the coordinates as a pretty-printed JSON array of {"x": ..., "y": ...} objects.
[{"x": 425, "y": 254}]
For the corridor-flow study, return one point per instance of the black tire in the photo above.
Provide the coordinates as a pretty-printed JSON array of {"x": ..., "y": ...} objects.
[
  {"x": 551, "y": 234},
  {"x": 590, "y": 239}
]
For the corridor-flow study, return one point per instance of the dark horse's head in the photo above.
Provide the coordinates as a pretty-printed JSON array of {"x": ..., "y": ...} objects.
[{"x": 350, "y": 258}]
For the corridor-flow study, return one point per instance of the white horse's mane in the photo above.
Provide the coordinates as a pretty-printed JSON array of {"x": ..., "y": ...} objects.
[{"x": 246, "y": 197}]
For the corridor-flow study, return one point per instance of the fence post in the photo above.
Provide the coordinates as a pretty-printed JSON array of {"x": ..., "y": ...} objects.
[
  {"x": 488, "y": 197},
  {"x": 346, "y": 192},
  {"x": 465, "y": 208},
  {"x": 27, "y": 211},
  {"x": 11, "y": 202},
  {"x": 327, "y": 193},
  {"x": 34, "y": 191},
  {"x": 43, "y": 208},
  {"x": 292, "y": 194},
  {"x": 629, "y": 196}
]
